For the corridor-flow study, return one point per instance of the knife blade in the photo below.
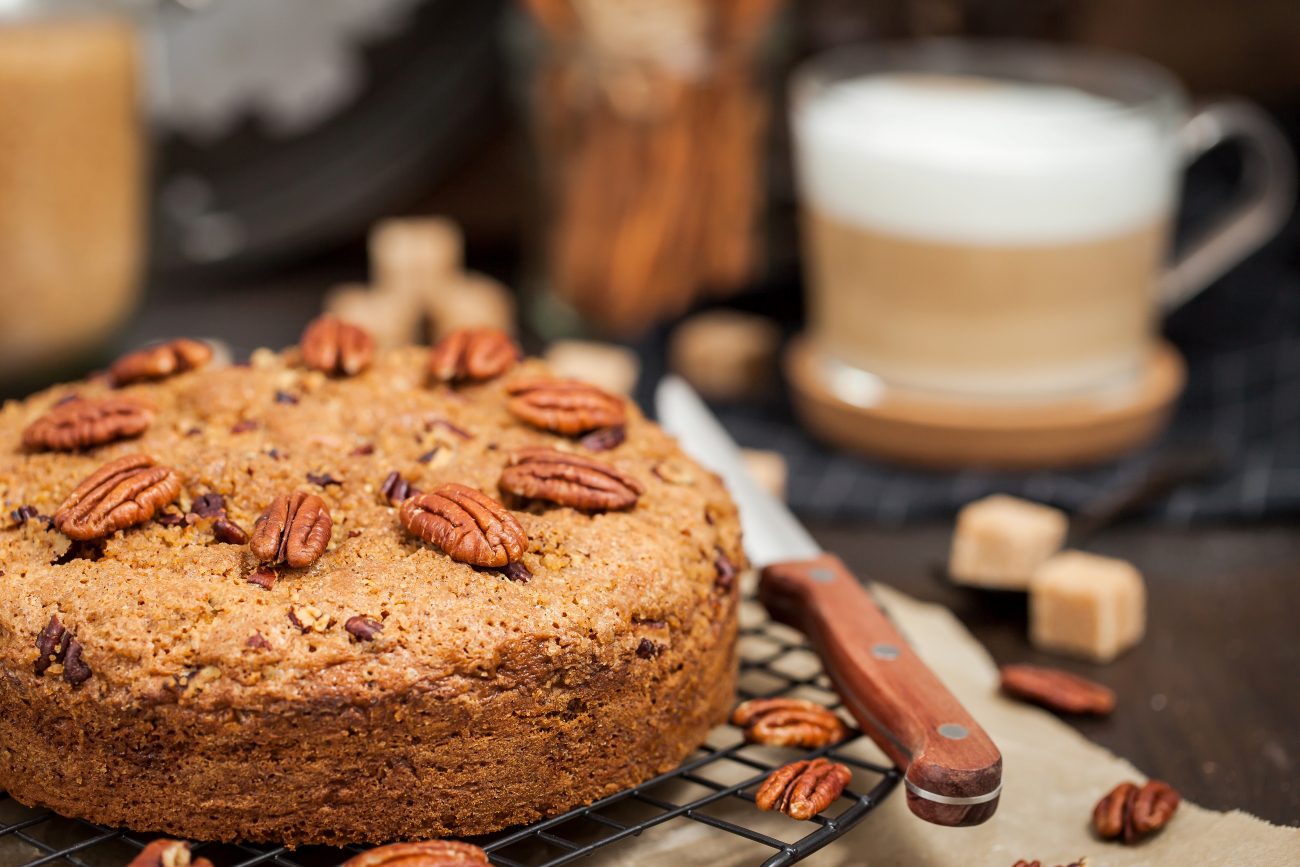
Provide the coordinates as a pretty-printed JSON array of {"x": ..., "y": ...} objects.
[
  {"x": 770, "y": 531},
  {"x": 951, "y": 769}
]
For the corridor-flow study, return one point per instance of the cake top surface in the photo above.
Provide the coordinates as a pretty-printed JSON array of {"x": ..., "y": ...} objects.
[{"x": 165, "y": 610}]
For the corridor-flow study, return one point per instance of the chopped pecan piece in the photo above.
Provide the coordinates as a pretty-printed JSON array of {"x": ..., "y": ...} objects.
[
  {"x": 430, "y": 853},
  {"x": 433, "y": 424},
  {"x": 51, "y": 642},
  {"x": 23, "y": 514},
  {"x": 472, "y": 355},
  {"x": 286, "y": 397},
  {"x": 564, "y": 406},
  {"x": 604, "y": 439},
  {"x": 122, "y": 493},
  {"x": 363, "y": 628},
  {"x": 171, "y": 519},
  {"x": 788, "y": 722},
  {"x": 257, "y": 641},
  {"x": 648, "y": 649},
  {"x": 1130, "y": 812},
  {"x": 395, "y": 489},
  {"x": 293, "y": 530},
  {"x": 244, "y": 426},
  {"x": 467, "y": 524},
  {"x": 57, "y": 645},
  {"x": 335, "y": 347},
  {"x": 167, "y": 853},
  {"x": 803, "y": 789},
  {"x": 309, "y": 618},
  {"x": 209, "y": 505},
  {"x": 517, "y": 572},
  {"x": 81, "y": 424},
  {"x": 1057, "y": 690},
  {"x": 570, "y": 480},
  {"x": 160, "y": 361},
  {"x": 228, "y": 532},
  {"x": 323, "y": 480},
  {"x": 726, "y": 572},
  {"x": 262, "y": 576}
]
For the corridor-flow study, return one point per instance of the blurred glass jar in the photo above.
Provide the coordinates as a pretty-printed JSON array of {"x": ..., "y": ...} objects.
[
  {"x": 648, "y": 120},
  {"x": 71, "y": 180}
]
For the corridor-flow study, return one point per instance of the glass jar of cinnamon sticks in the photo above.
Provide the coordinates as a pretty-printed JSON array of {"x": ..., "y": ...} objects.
[{"x": 649, "y": 121}]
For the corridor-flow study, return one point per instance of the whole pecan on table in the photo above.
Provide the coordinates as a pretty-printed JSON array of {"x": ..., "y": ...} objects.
[
  {"x": 294, "y": 530},
  {"x": 467, "y": 524},
  {"x": 564, "y": 406},
  {"x": 88, "y": 422},
  {"x": 335, "y": 347},
  {"x": 472, "y": 355},
  {"x": 1056, "y": 689},
  {"x": 788, "y": 722},
  {"x": 167, "y": 853},
  {"x": 160, "y": 361},
  {"x": 1130, "y": 812},
  {"x": 122, "y": 493},
  {"x": 569, "y": 480},
  {"x": 57, "y": 645},
  {"x": 431, "y": 853},
  {"x": 803, "y": 789}
]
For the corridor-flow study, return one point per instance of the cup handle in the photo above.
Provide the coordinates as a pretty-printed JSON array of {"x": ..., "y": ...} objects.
[{"x": 1265, "y": 203}]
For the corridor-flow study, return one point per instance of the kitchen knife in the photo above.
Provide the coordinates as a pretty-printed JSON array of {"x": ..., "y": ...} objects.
[{"x": 952, "y": 770}]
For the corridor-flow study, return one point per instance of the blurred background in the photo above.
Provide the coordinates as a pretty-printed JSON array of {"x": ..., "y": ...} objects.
[{"x": 620, "y": 174}]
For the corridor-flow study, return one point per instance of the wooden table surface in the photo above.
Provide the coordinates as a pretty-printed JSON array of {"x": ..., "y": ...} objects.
[{"x": 1210, "y": 701}]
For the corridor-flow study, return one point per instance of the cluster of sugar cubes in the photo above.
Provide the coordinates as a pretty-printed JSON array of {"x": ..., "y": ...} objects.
[{"x": 1080, "y": 604}]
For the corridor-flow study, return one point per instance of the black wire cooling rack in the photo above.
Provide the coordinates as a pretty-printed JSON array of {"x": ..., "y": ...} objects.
[{"x": 713, "y": 788}]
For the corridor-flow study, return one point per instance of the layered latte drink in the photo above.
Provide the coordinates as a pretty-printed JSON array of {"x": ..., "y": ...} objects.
[{"x": 981, "y": 237}]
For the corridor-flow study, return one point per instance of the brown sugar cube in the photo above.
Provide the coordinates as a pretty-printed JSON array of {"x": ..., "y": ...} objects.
[
  {"x": 768, "y": 469},
  {"x": 1086, "y": 605},
  {"x": 391, "y": 318},
  {"x": 471, "y": 300},
  {"x": 415, "y": 256},
  {"x": 725, "y": 354},
  {"x": 609, "y": 366},
  {"x": 999, "y": 541}
]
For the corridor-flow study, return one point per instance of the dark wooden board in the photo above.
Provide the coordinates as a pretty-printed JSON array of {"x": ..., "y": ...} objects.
[{"x": 1210, "y": 701}]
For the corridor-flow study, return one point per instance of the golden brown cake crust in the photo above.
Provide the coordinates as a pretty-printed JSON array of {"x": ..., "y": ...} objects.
[{"x": 211, "y": 713}]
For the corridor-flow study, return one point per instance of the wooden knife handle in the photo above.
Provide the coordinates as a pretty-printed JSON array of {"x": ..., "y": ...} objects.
[{"x": 952, "y": 770}]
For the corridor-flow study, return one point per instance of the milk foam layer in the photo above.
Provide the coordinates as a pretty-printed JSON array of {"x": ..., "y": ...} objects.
[{"x": 979, "y": 161}]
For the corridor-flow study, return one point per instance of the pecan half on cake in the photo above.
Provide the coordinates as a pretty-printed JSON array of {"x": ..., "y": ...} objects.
[{"x": 259, "y": 603}]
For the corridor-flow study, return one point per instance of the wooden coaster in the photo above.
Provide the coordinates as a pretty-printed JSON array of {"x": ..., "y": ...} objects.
[{"x": 941, "y": 432}]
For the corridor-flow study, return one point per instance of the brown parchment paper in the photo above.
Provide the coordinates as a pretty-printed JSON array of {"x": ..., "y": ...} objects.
[{"x": 1052, "y": 778}]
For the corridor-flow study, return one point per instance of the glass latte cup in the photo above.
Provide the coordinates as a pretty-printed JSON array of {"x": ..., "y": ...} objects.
[{"x": 992, "y": 220}]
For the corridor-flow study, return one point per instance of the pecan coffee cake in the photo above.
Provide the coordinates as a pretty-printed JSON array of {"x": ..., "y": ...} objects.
[{"x": 338, "y": 595}]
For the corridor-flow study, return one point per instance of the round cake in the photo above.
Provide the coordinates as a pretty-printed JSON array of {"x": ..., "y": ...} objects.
[{"x": 334, "y": 595}]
